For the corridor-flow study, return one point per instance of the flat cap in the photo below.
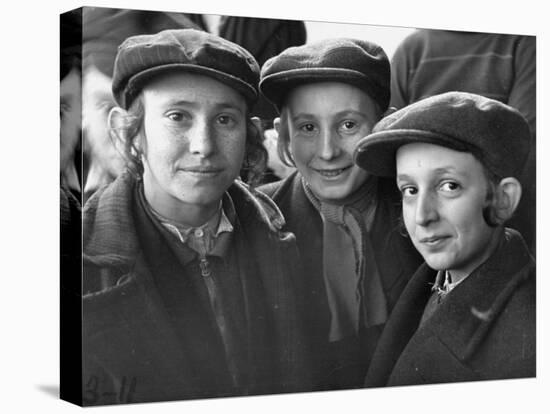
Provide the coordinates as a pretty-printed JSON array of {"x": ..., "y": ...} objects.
[
  {"x": 497, "y": 134},
  {"x": 357, "y": 62},
  {"x": 142, "y": 57}
]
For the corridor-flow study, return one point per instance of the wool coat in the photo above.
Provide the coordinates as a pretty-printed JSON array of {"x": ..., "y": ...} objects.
[
  {"x": 484, "y": 329},
  {"x": 342, "y": 364},
  {"x": 131, "y": 347}
]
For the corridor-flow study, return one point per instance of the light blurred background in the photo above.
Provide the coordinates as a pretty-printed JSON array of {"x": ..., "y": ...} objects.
[{"x": 386, "y": 36}]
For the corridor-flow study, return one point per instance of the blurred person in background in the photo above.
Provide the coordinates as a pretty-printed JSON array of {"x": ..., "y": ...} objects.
[{"x": 70, "y": 246}]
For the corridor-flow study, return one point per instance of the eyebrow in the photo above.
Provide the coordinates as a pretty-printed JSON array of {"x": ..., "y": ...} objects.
[
  {"x": 437, "y": 171},
  {"x": 218, "y": 105},
  {"x": 402, "y": 177},
  {"x": 350, "y": 112},
  {"x": 443, "y": 170},
  {"x": 340, "y": 114}
]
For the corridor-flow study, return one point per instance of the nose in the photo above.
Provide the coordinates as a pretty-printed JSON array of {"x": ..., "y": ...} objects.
[
  {"x": 328, "y": 145},
  {"x": 201, "y": 139},
  {"x": 426, "y": 209}
]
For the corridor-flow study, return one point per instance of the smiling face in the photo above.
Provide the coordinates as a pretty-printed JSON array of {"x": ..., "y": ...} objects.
[
  {"x": 444, "y": 193},
  {"x": 325, "y": 122},
  {"x": 193, "y": 140}
]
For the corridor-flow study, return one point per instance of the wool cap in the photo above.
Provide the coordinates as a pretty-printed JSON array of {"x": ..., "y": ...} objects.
[
  {"x": 142, "y": 57},
  {"x": 357, "y": 62},
  {"x": 497, "y": 134}
]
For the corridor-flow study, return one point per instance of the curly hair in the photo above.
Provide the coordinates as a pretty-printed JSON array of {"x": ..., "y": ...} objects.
[{"x": 128, "y": 131}]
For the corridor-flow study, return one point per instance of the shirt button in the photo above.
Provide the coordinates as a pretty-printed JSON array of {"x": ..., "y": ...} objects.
[{"x": 199, "y": 233}]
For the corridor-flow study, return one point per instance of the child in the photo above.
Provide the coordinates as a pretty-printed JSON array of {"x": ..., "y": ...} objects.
[
  {"x": 469, "y": 312},
  {"x": 330, "y": 94},
  {"x": 187, "y": 275}
]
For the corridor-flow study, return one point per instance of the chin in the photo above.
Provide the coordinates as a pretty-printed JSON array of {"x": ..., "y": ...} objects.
[
  {"x": 437, "y": 263},
  {"x": 325, "y": 192}
]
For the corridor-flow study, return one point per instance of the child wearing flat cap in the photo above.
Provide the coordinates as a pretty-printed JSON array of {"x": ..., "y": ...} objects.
[
  {"x": 187, "y": 274},
  {"x": 330, "y": 94},
  {"x": 468, "y": 313}
]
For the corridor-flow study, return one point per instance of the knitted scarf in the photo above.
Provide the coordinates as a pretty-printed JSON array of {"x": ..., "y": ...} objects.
[{"x": 352, "y": 280}]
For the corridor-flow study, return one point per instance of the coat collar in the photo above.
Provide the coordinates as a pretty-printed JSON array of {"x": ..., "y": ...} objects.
[
  {"x": 109, "y": 230},
  {"x": 468, "y": 311}
]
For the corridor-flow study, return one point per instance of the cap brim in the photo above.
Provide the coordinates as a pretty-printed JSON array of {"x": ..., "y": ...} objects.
[
  {"x": 275, "y": 87},
  {"x": 138, "y": 81},
  {"x": 376, "y": 152}
]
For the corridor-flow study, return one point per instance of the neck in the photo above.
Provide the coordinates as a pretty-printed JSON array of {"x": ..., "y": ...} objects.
[
  {"x": 173, "y": 209},
  {"x": 359, "y": 199}
]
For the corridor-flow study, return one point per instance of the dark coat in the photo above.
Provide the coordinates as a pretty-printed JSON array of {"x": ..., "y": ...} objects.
[
  {"x": 343, "y": 364},
  {"x": 483, "y": 330},
  {"x": 132, "y": 351}
]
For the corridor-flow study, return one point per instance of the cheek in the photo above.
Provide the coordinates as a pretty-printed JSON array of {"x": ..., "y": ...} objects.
[
  {"x": 409, "y": 217},
  {"x": 473, "y": 230},
  {"x": 233, "y": 147},
  {"x": 348, "y": 144},
  {"x": 467, "y": 217},
  {"x": 159, "y": 153},
  {"x": 302, "y": 151}
]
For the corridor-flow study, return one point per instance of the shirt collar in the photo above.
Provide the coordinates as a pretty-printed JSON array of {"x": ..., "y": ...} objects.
[
  {"x": 211, "y": 238},
  {"x": 444, "y": 283}
]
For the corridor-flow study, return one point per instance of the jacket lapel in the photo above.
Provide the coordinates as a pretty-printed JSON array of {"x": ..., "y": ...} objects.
[
  {"x": 401, "y": 326},
  {"x": 468, "y": 311}
]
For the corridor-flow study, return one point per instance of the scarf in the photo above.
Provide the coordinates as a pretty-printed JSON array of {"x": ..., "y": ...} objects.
[{"x": 354, "y": 290}]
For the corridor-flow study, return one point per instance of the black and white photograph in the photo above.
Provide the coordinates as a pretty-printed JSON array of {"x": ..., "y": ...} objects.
[{"x": 273, "y": 209}]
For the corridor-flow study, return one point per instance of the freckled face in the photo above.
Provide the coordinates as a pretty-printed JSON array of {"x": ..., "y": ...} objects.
[
  {"x": 194, "y": 136},
  {"x": 325, "y": 122},
  {"x": 444, "y": 193}
]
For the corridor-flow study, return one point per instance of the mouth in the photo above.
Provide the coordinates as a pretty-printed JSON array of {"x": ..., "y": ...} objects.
[
  {"x": 201, "y": 171},
  {"x": 332, "y": 172},
  {"x": 433, "y": 241}
]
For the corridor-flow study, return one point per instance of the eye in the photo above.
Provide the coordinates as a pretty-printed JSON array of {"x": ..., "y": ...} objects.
[
  {"x": 408, "y": 191},
  {"x": 226, "y": 120},
  {"x": 348, "y": 126},
  {"x": 175, "y": 116},
  {"x": 450, "y": 186},
  {"x": 307, "y": 128}
]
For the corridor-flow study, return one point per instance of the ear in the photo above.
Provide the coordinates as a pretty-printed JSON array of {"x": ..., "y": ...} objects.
[
  {"x": 121, "y": 129},
  {"x": 258, "y": 124},
  {"x": 117, "y": 122},
  {"x": 389, "y": 111},
  {"x": 508, "y": 196},
  {"x": 277, "y": 125}
]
